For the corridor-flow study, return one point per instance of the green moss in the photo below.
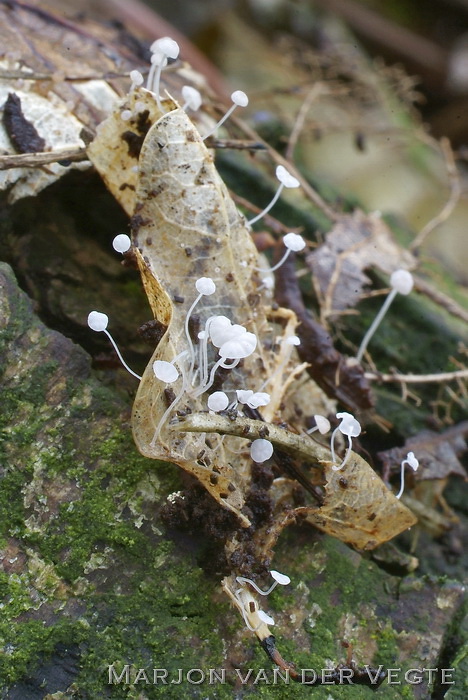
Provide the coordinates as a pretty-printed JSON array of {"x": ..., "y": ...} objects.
[{"x": 24, "y": 644}]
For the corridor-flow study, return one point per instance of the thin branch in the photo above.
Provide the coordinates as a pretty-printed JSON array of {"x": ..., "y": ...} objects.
[
  {"x": 270, "y": 220},
  {"x": 301, "y": 446},
  {"x": 455, "y": 192},
  {"x": 312, "y": 194},
  {"x": 54, "y": 77},
  {"x": 317, "y": 90},
  {"x": 417, "y": 378},
  {"x": 235, "y": 144},
  {"x": 440, "y": 298},
  {"x": 35, "y": 160}
]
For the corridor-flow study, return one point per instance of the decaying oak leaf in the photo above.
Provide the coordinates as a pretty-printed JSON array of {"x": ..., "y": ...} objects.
[
  {"x": 186, "y": 227},
  {"x": 357, "y": 507},
  {"x": 357, "y": 242},
  {"x": 116, "y": 149}
]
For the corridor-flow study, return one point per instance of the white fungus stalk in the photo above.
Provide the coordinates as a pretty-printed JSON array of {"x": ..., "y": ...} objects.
[
  {"x": 286, "y": 180},
  {"x": 412, "y": 462},
  {"x": 293, "y": 242},
  {"x": 350, "y": 427},
  {"x": 239, "y": 99},
  {"x": 205, "y": 287},
  {"x": 163, "y": 372},
  {"x": 401, "y": 282},
  {"x": 98, "y": 321},
  {"x": 278, "y": 579}
]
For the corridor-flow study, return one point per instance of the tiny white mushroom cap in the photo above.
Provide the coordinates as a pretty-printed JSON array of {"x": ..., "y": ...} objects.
[
  {"x": 260, "y": 398},
  {"x": 264, "y": 617},
  {"x": 158, "y": 58},
  {"x": 411, "y": 461},
  {"x": 349, "y": 425},
  {"x": 166, "y": 46},
  {"x": 323, "y": 424},
  {"x": 191, "y": 97},
  {"x": 126, "y": 114},
  {"x": 165, "y": 371},
  {"x": 136, "y": 77},
  {"x": 240, "y": 98},
  {"x": 402, "y": 281},
  {"x": 293, "y": 340},
  {"x": 294, "y": 242},
  {"x": 286, "y": 178},
  {"x": 282, "y": 579},
  {"x": 121, "y": 243},
  {"x": 220, "y": 330},
  {"x": 239, "y": 347},
  {"x": 261, "y": 450},
  {"x": 218, "y": 401},
  {"x": 243, "y": 395},
  {"x": 97, "y": 321},
  {"x": 205, "y": 286}
]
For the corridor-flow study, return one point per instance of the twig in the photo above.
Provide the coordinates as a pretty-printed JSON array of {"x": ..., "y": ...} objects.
[
  {"x": 440, "y": 298},
  {"x": 235, "y": 144},
  {"x": 270, "y": 220},
  {"x": 34, "y": 160},
  {"x": 455, "y": 192},
  {"x": 58, "y": 77},
  {"x": 417, "y": 378},
  {"x": 312, "y": 194},
  {"x": 317, "y": 90},
  {"x": 301, "y": 446}
]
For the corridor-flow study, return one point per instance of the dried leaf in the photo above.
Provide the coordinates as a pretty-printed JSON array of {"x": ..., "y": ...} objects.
[
  {"x": 357, "y": 506},
  {"x": 438, "y": 453},
  {"x": 185, "y": 227},
  {"x": 357, "y": 242}
]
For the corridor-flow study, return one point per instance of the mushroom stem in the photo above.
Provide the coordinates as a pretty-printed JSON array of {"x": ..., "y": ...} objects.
[
  {"x": 114, "y": 345},
  {"x": 220, "y": 363},
  {"x": 412, "y": 462},
  {"x": 242, "y": 579},
  {"x": 221, "y": 121},
  {"x": 278, "y": 264},
  {"x": 348, "y": 452},
  {"x": 375, "y": 324},
  {"x": 270, "y": 206},
  {"x": 170, "y": 408}
]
